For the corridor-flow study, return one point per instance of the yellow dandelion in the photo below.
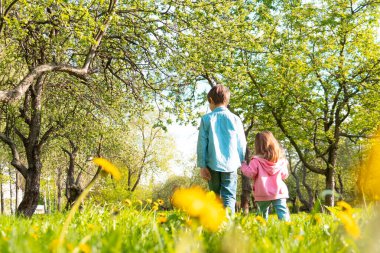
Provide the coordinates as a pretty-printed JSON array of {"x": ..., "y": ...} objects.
[
  {"x": 34, "y": 235},
  {"x": 53, "y": 245},
  {"x": 369, "y": 179},
  {"x": 345, "y": 206},
  {"x": 128, "y": 202},
  {"x": 160, "y": 202},
  {"x": 149, "y": 201},
  {"x": 115, "y": 211},
  {"x": 155, "y": 207},
  {"x": 70, "y": 247},
  {"x": 108, "y": 167},
  {"x": 299, "y": 237},
  {"x": 212, "y": 217},
  {"x": 316, "y": 219},
  {"x": 261, "y": 220},
  {"x": 91, "y": 226},
  {"x": 83, "y": 247},
  {"x": 162, "y": 218},
  {"x": 189, "y": 222},
  {"x": 349, "y": 224},
  {"x": 199, "y": 204},
  {"x": 191, "y": 200}
]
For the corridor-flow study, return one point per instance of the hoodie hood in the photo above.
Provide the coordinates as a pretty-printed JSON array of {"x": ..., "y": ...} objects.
[{"x": 271, "y": 167}]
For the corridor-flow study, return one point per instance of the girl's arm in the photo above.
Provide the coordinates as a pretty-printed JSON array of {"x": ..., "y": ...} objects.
[{"x": 249, "y": 170}]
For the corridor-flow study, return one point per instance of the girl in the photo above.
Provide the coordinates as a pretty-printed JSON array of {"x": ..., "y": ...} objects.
[{"x": 268, "y": 169}]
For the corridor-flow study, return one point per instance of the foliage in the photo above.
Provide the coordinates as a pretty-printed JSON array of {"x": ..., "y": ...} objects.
[{"x": 117, "y": 228}]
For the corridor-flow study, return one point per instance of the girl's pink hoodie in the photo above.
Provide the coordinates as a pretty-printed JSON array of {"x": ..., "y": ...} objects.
[{"x": 268, "y": 178}]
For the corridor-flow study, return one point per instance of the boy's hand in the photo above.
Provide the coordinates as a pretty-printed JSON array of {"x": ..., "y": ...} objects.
[{"x": 205, "y": 174}]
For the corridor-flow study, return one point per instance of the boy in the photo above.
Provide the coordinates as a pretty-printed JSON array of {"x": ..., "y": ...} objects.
[{"x": 221, "y": 146}]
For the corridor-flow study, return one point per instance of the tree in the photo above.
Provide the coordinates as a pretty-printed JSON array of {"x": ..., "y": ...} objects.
[
  {"x": 115, "y": 51},
  {"x": 322, "y": 68}
]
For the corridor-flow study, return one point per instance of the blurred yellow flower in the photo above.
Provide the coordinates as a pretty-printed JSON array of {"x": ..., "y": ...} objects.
[
  {"x": 299, "y": 237},
  {"x": 91, "y": 226},
  {"x": 349, "y": 224},
  {"x": 128, "y": 202},
  {"x": 34, "y": 235},
  {"x": 261, "y": 220},
  {"x": 139, "y": 202},
  {"x": 70, "y": 247},
  {"x": 369, "y": 178},
  {"x": 108, "y": 167},
  {"x": 316, "y": 219},
  {"x": 199, "y": 204},
  {"x": 83, "y": 247},
  {"x": 345, "y": 206},
  {"x": 160, "y": 202},
  {"x": 155, "y": 207},
  {"x": 162, "y": 218},
  {"x": 149, "y": 201}
]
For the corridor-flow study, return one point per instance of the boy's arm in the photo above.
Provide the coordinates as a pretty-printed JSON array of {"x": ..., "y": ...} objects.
[
  {"x": 242, "y": 143},
  {"x": 202, "y": 146}
]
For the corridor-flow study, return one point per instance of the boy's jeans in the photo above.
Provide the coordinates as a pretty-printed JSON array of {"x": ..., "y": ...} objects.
[
  {"x": 224, "y": 184},
  {"x": 278, "y": 204}
]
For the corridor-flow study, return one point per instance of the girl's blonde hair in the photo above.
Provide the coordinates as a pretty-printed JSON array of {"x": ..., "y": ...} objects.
[{"x": 268, "y": 147}]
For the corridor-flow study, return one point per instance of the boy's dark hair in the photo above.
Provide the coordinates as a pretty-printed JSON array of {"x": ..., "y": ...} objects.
[{"x": 219, "y": 94}]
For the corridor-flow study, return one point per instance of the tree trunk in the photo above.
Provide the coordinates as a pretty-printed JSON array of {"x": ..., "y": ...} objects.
[
  {"x": 32, "y": 192},
  {"x": 330, "y": 175},
  {"x": 33, "y": 144},
  {"x": 73, "y": 190},
  {"x": 59, "y": 189},
  {"x": 48, "y": 196},
  {"x": 1, "y": 189},
  {"x": 246, "y": 187},
  {"x": 10, "y": 192},
  {"x": 17, "y": 188}
]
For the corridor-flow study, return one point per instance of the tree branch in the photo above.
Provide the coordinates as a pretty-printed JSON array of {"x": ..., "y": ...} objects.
[
  {"x": 285, "y": 132},
  {"x": 16, "y": 157}
]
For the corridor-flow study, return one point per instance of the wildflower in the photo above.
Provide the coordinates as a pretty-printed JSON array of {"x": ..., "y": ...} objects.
[
  {"x": 160, "y": 202},
  {"x": 84, "y": 248},
  {"x": 53, "y": 245},
  {"x": 349, "y": 224},
  {"x": 299, "y": 237},
  {"x": 108, "y": 167},
  {"x": 128, "y": 202},
  {"x": 155, "y": 207},
  {"x": 115, "y": 211},
  {"x": 162, "y": 218},
  {"x": 369, "y": 179},
  {"x": 34, "y": 235},
  {"x": 199, "y": 204},
  {"x": 190, "y": 200},
  {"x": 149, "y": 201},
  {"x": 261, "y": 220},
  {"x": 70, "y": 247},
  {"x": 91, "y": 226},
  {"x": 316, "y": 219},
  {"x": 345, "y": 206},
  {"x": 189, "y": 222}
]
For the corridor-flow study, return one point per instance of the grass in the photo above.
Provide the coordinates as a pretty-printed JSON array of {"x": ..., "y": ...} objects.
[{"x": 129, "y": 229}]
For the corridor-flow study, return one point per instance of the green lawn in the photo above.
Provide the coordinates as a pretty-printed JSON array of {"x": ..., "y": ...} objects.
[{"x": 130, "y": 229}]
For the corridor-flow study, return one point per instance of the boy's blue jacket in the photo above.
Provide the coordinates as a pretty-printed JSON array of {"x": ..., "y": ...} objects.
[{"x": 221, "y": 141}]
